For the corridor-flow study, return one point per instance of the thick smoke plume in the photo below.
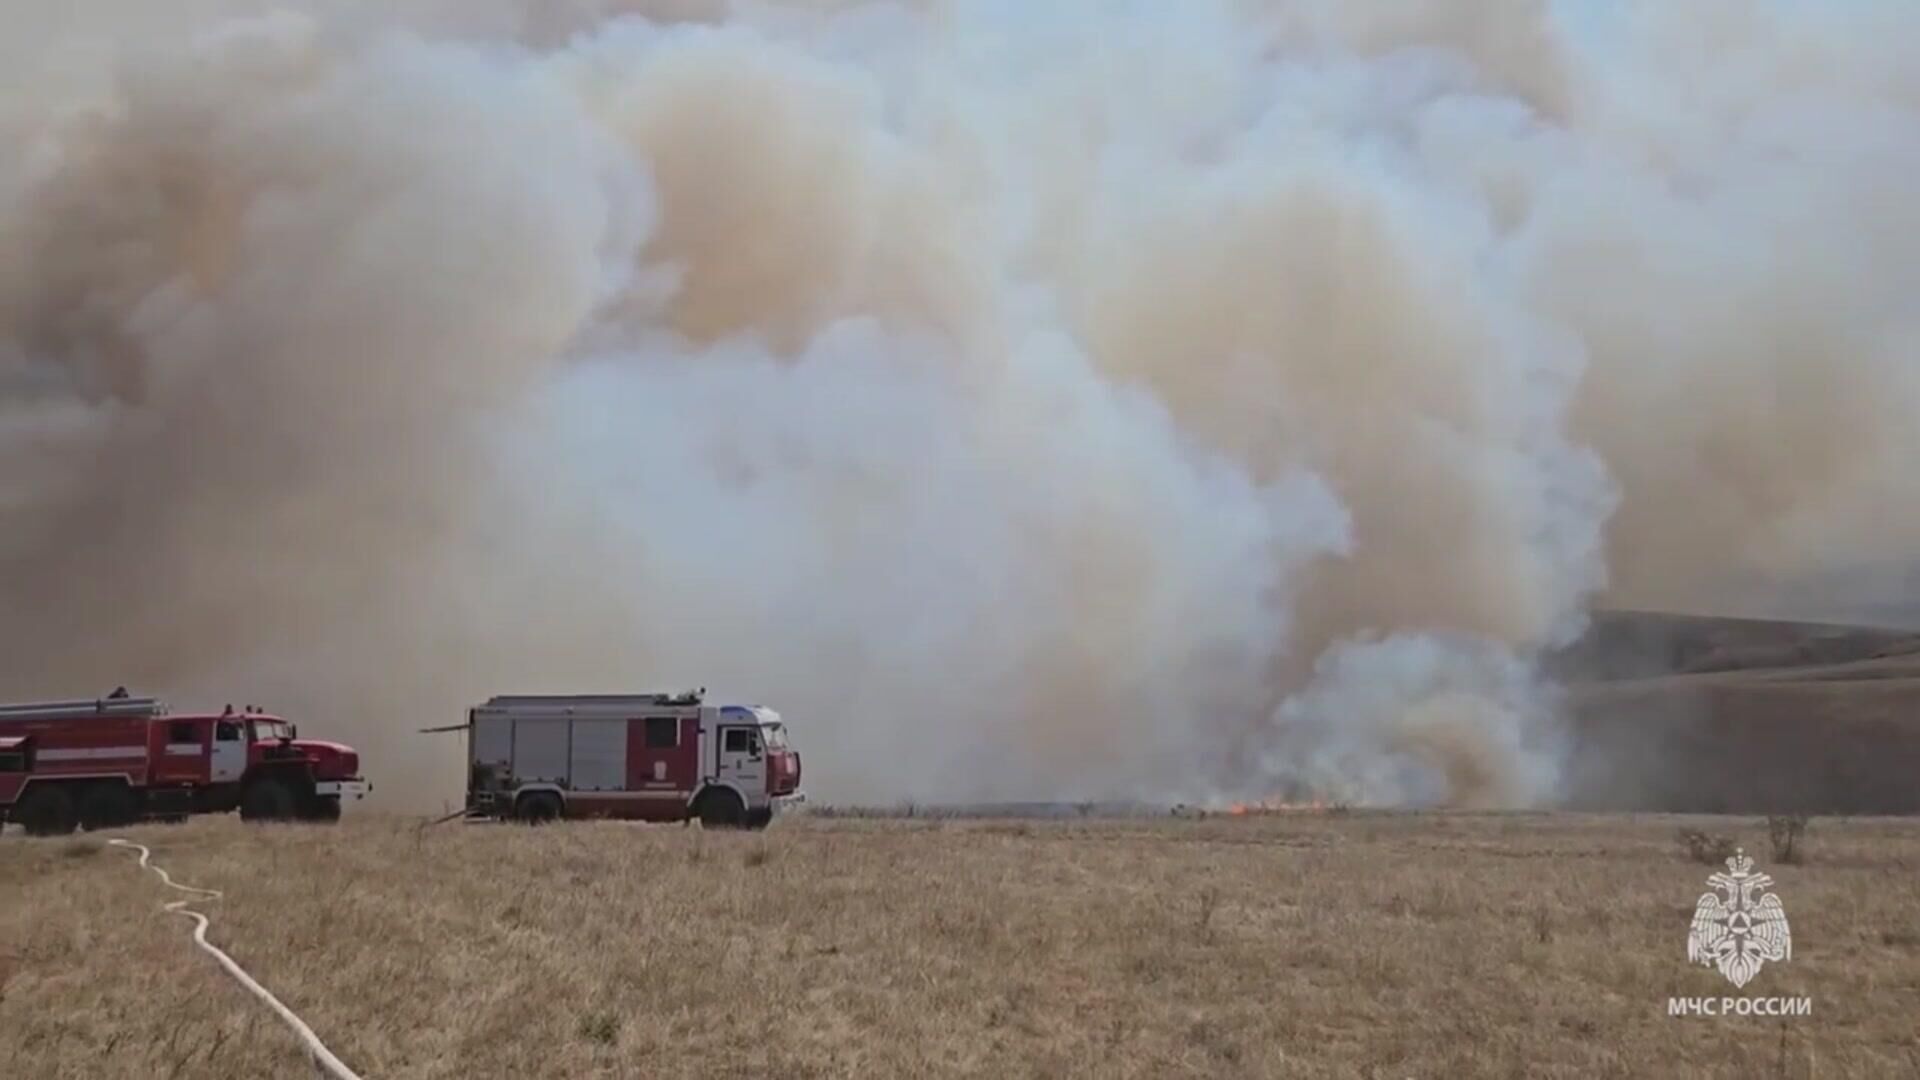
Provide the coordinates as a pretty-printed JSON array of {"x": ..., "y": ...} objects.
[{"x": 1055, "y": 400}]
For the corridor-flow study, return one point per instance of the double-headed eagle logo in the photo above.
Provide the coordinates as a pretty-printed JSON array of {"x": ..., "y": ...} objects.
[{"x": 1738, "y": 932}]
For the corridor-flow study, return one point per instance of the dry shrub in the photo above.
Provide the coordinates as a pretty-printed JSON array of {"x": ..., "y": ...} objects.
[
  {"x": 1783, "y": 833},
  {"x": 600, "y": 1027},
  {"x": 1704, "y": 848}
]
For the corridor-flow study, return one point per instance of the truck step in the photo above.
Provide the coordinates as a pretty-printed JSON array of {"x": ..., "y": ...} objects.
[{"x": 169, "y": 801}]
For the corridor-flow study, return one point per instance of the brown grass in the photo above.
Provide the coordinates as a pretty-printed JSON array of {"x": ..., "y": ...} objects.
[{"x": 1331, "y": 945}]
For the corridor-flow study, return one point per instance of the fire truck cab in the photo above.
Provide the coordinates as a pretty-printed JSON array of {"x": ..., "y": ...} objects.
[
  {"x": 642, "y": 757},
  {"x": 112, "y": 761},
  {"x": 16, "y": 762}
]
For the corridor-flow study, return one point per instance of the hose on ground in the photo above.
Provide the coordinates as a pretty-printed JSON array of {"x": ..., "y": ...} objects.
[{"x": 321, "y": 1055}]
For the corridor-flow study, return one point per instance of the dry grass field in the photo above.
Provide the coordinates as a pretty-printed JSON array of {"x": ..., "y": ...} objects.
[{"x": 1335, "y": 945}]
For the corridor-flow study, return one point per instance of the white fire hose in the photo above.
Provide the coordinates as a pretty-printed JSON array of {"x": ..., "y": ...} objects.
[{"x": 321, "y": 1055}]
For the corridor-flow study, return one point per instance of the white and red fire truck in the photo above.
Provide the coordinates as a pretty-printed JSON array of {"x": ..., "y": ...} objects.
[
  {"x": 116, "y": 760},
  {"x": 642, "y": 757}
]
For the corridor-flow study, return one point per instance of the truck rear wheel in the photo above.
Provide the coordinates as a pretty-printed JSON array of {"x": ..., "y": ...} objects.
[
  {"x": 47, "y": 810},
  {"x": 269, "y": 799},
  {"x": 720, "y": 808},
  {"x": 538, "y": 808},
  {"x": 108, "y": 806}
]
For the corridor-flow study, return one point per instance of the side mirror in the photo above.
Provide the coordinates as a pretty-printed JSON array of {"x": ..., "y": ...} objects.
[{"x": 293, "y": 730}]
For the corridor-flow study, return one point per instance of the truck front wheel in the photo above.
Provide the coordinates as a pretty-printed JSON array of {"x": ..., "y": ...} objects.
[
  {"x": 47, "y": 810},
  {"x": 720, "y": 808},
  {"x": 267, "y": 800}
]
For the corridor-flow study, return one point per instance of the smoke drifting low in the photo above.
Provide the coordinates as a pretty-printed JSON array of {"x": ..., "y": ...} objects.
[{"x": 1061, "y": 401}]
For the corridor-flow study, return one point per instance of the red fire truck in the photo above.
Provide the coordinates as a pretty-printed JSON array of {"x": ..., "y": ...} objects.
[
  {"x": 644, "y": 757},
  {"x": 116, "y": 760}
]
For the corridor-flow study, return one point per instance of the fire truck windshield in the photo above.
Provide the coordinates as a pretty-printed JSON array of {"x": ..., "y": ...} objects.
[
  {"x": 776, "y": 736},
  {"x": 268, "y": 730}
]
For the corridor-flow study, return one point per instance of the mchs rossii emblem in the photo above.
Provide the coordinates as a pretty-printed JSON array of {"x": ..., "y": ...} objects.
[{"x": 1738, "y": 927}]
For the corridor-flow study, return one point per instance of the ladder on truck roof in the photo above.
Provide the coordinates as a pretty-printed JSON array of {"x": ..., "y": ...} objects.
[
  {"x": 508, "y": 701},
  {"x": 566, "y": 703},
  {"x": 115, "y": 704}
]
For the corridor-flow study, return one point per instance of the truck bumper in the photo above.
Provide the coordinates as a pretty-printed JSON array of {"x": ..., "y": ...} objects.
[
  {"x": 786, "y": 804},
  {"x": 344, "y": 790}
]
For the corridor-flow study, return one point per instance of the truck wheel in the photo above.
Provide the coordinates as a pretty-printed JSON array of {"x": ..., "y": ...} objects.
[
  {"x": 108, "y": 806},
  {"x": 538, "y": 808},
  {"x": 267, "y": 800},
  {"x": 46, "y": 811},
  {"x": 721, "y": 809}
]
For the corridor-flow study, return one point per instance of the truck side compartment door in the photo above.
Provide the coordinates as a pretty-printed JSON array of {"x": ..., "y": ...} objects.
[
  {"x": 660, "y": 753},
  {"x": 542, "y": 749},
  {"x": 599, "y": 755},
  {"x": 183, "y": 757}
]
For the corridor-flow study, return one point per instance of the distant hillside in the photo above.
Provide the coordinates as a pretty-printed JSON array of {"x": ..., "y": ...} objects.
[
  {"x": 1696, "y": 713},
  {"x": 1642, "y": 644}
]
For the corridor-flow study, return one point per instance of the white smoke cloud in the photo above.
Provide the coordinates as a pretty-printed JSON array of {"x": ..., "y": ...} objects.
[
  {"x": 1421, "y": 720},
  {"x": 1077, "y": 401}
]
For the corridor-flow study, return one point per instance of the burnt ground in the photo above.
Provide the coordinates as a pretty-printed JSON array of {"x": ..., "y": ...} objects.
[{"x": 1693, "y": 714}]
